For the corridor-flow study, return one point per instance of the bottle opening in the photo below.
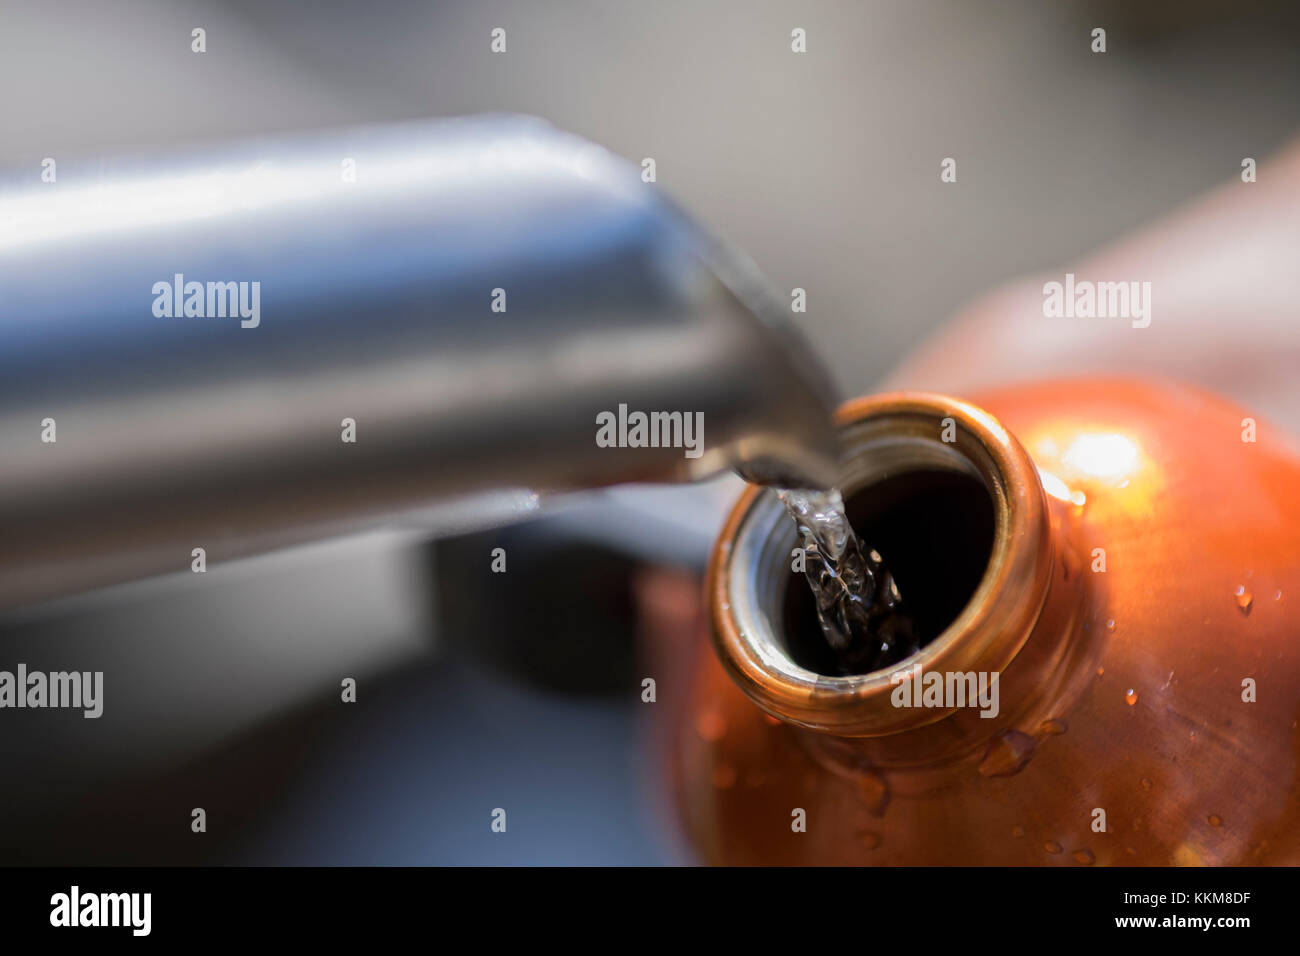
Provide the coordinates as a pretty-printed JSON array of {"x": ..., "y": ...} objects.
[
  {"x": 955, "y": 508},
  {"x": 934, "y": 530}
]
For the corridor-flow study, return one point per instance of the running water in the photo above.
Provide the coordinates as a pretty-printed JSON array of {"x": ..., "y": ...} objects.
[{"x": 858, "y": 603}]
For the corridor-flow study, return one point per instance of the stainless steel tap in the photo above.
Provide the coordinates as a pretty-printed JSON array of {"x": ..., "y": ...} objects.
[{"x": 469, "y": 293}]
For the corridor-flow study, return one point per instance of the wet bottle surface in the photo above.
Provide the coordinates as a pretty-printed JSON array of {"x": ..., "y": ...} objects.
[{"x": 1124, "y": 564}]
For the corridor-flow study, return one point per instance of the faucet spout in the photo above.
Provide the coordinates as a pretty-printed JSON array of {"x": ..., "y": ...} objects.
[{"x": 252, "y": 345}]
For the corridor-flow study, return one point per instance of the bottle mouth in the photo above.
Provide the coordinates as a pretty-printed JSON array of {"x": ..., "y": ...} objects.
[{"x": 954, "y": 505}]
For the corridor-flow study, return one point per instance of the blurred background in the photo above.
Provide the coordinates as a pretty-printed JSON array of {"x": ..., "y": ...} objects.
[{"x": 823, "y": 168}]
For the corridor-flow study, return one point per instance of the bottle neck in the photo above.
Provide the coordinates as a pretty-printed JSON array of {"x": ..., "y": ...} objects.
[{"x": 920, "y": 710}]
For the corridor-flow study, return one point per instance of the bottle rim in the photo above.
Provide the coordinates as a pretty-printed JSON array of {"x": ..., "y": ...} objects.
[{"x": 885, "y": 434}]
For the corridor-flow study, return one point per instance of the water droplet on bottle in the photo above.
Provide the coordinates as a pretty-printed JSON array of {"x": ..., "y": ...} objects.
[
  {"x": 1100, "y": 671},
  {"x": 1110, "y": 625},
  {"x": 1017, "y": 831},
  {"x": 1007, "y": 754},
  {"x": 1053, "y": 727},
  {"x": 874, "y": 791},
  {"x": 1146, "y": 783},
  {"x": 869, "y": 839},
  {"x": 1084, "y": 856},
  {"x": 1215, "y": 820},
  {"x": 1051, "y": 846},
  {"x": 1277, "y": 595},
  {"x": 1244, "y": 598},
  {"x": 1131, "y": 697}
]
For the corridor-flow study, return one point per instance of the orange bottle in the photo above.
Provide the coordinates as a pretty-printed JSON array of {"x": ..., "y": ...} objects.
[{"x": 1117, "y": 561}]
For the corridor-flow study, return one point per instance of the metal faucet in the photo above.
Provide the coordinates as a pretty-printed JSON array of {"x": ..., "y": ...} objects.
[{"x": 185, "y": 336}]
